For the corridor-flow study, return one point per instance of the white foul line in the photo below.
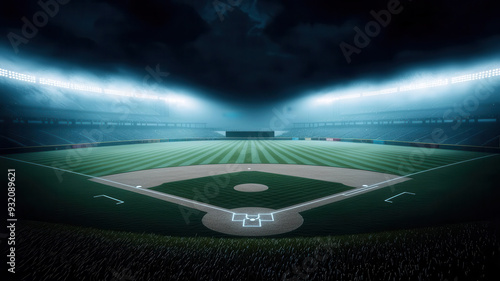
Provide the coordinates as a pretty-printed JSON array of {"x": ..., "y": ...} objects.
[
  {"x": 387, "y": 200},
  {"x": 377, "y": 184},
  {"x": 67, "y": 171},
  {"x": 278, "y": 211},
  {"x": 102, "y": 195},
  {"x": 187, "y": 200},
  {"x": 119, "y": 183}
]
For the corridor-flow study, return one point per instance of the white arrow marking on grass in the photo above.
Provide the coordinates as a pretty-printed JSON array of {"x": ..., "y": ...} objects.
[{"x": 387, "y": 200}]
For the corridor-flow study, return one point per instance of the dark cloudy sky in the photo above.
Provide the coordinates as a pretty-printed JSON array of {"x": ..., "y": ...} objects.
[{"x": 260, "y": 50}]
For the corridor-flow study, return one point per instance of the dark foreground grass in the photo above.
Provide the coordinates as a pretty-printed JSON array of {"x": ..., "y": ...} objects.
[
  {"x": 468, "y": 251},
  {"x": 283, "y": 190}
]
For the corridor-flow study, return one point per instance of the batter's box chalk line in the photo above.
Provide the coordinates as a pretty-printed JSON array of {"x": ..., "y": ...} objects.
[{"x": 252, "y": 220}]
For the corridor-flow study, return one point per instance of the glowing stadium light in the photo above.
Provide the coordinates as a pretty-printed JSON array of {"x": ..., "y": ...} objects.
[
  {"x": 86, "y": 88},
  {"x": 170, "y": 98},
  {"x": 55, "y": 83},
  {"x": 17, "y": 76},
  {"x": 117, "y": 93},
  {"x": 331, "y": 98},
  {"x": 414, "y": 86},
  {"x": 380, "y": 92},
  {"x": 345, "y": 97},
  {"x": 67, "y": 85},
  {"x": 146, "y": 96},
  {"x": 424, "y": 85},
  {"x": 176, "y": 100},
  {"x": 476, "y": 76}
]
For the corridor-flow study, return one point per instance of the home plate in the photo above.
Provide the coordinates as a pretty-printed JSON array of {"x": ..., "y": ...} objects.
[
  {"x": 364, "y": 185},
  {"x": 139, "y": 186},
  {"x": 252, "y": 221}
]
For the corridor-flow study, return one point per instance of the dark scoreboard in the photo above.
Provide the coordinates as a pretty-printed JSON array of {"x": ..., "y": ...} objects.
[{"x": 250, "y": 134}]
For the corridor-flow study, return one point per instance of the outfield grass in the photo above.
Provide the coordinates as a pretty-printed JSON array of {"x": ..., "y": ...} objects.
[
  {"x": 100, "y": 161},
  {"x": 463, "y": 192}
]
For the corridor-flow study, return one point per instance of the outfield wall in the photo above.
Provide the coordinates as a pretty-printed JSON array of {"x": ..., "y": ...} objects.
[{"x": 27, "y": 149}]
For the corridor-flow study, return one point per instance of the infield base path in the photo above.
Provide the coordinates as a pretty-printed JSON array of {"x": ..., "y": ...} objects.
[{"x": 248, "y": 220}]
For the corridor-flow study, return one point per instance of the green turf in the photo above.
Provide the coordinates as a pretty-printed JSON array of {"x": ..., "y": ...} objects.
[
  {"x": 283, "y": 190},
  {"x": 100, "y": 161},
  {"x": 467, "y": 191}
]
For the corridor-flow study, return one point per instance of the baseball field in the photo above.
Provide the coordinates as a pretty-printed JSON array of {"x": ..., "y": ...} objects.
[{"x": 255, "y": 188}]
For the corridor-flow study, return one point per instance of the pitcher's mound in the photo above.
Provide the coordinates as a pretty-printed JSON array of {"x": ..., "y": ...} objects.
[{"x": 251, "y": 187}]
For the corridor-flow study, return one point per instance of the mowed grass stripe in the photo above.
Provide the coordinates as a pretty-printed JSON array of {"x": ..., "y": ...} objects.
[
  {"x": 429, "y": 158},
  {"x": 437, "y": 157},
  {"x": 45, "y": 157},
  {"x": 364, "y": 161},
  {"x": 242, "y": 155},
  {"x": 248, "y": 153},
  {"x": 235, "y": 148},
  {"x": 342, "y": 158},
  {"x": 106, "y": 160},
  {"x": 97, "y": 159},
  {"x": 170, "y": 158},
  {"x": 135, "y": 162},
  {"x": 217, "y": 155},
  {"x": 158, "y": 160},
  {"x": 315, "y": 156},
  {"x": 375, "y": 161},
  {"x": 361, "y": 161},
  {"x": 237, "y": 153},
  {"x": 262, "y": 148},
  {"x": 194, "y": 150},
  {"x": 299, "y": 159},
  {"x": 418, "y": 158},
  {"x": 320, "y": 157},
  {"x": 280, "y": 158},
  {"x": 380, "y": 158},
  {"x": 255, "y": 155},
  {"x": 131, "y": 160},
  {"x": 193, "y": 153},
  {"x": 202, "y": 156},
  {"x": 82, "y": 163},
  {"x": 260, "y": 151}
]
